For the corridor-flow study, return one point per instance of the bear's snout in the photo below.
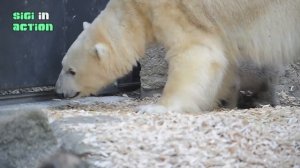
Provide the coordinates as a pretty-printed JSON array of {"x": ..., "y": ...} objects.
[
  {"x": 63, "y": 96},
  {"x": 66, "y": 87}
]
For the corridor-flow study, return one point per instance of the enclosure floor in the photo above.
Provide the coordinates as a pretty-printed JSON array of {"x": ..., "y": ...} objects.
[{"x": 111, "y": 134}]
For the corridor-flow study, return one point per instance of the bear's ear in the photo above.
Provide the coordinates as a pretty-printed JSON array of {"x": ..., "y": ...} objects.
[
  {"x": 101, "y": 50},
  {"x": 85, "y": 25}
]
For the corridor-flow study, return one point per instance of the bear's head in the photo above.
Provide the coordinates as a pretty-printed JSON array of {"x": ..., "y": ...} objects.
[{"x": 86, "y": 65}]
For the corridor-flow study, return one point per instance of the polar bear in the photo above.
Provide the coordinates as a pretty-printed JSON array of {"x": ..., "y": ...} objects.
[{"x": 204, "y": 39}]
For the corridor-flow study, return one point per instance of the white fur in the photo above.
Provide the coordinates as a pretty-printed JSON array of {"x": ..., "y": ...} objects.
[
  {"x": 85, "y": 25},
  {"x": 101, "y": 50}
]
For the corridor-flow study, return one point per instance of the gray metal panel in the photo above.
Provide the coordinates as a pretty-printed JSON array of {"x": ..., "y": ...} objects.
[
  {"x": 79, "y": 11},
  {"x": 30, "y": 58}
]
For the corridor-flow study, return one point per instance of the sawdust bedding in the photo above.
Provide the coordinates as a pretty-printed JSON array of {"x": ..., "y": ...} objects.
[{"x": 264, "y": 137}]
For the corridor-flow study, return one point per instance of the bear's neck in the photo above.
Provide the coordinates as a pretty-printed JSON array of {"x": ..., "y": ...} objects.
[{"x": 127, "y": 32}]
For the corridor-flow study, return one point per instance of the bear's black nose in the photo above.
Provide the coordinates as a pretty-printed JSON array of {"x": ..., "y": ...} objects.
[{"x": 60, "y": 95}]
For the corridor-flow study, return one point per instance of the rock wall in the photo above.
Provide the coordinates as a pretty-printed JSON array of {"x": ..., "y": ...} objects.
[
  {"x": 26, "y": 138},
  {"x": 288, "y": 88},
  {"x": 154, "y": 69}
]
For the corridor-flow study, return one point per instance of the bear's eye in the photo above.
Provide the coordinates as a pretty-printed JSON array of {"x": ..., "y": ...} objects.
[{"x": 71, "y": 72}]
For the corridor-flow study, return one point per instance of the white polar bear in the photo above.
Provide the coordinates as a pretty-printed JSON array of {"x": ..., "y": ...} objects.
[{"x": 205, "y": 39}]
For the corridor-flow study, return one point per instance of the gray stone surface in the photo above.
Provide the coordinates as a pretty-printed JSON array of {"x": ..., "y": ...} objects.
[
  {"x": 71, "y": 140},
  {"x": 289, "y": 82},
  {"x": 266, "y": 137},
  {"x": 64, "y": 159},
  {"x": 154, "y": 68},
  {"x": 12, "y": 109},
  {"x": 288, "y": 88},
  {"x": 106, "y": 132},
  {"x": 26, "y": 138}
]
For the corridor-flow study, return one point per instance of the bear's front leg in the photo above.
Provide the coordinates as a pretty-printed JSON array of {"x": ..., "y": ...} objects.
[{"x": 194, "y": 78}]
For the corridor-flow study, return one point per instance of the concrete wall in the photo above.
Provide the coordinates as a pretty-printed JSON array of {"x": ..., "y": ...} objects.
[{"x": 154, "y": 69}]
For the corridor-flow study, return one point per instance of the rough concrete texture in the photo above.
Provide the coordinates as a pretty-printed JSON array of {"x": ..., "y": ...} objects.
[
  {"x": 265, "y": 137},
  {"x": 64, "y": 159},
  {"x": 107, "y": 132},
  {"x": 26, "y": 138},
  {"x": 289, "y": 84},
  {"x": 154, "y": 68}
]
